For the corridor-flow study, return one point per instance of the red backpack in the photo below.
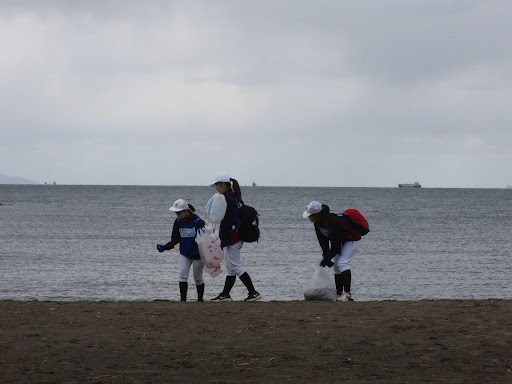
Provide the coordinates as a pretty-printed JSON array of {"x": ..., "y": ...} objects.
[{"x": 356, "y": 219}]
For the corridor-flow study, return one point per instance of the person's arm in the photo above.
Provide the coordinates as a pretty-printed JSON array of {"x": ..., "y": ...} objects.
[
  {"x": 175, "y": 237},
  {"x": 200, "y": 224},
  {"x": 336, "y": 236},
  {"x": 226, "y": 225},
  {"x": 323, "y": 241}
]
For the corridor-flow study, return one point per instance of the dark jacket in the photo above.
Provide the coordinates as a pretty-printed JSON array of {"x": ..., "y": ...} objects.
[
  {"x": 228, "y": 233},
  {"x": 188, "y": 246},
  {"x": 340, "y": 232}
]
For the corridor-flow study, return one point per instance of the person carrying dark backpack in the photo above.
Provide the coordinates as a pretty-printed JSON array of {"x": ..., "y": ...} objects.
[{"x": 230, "y": 240}]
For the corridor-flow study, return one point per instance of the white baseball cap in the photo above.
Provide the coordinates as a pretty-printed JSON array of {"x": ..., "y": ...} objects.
[
  {"x": 179, "y": 205},
  {"x": 312, "y": 208},
  {"x": 222, "y": 177}
]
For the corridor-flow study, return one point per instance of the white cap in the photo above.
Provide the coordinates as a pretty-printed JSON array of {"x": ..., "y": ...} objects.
[
  {"x": 179, "y": 205},
  {"x": 312, "y": 208},
  {"x": 222, "y": 177}
]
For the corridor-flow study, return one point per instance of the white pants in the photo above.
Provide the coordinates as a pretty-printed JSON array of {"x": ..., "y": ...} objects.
[
  {"x": 342, "y": 261},
  {"x": 184, "y": 267},
  {"x": 232, "y": 257}
]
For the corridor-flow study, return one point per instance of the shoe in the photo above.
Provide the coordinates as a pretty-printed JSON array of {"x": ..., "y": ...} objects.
[
  {"x": 342, "y": 297},
  {"x": 222, "y": 297},
  {"x": 253, "y": 297},
  {"x": 349, "y": 297}
]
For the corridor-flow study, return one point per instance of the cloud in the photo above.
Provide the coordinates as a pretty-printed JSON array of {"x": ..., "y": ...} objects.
[{"x": 362, "y": 94}]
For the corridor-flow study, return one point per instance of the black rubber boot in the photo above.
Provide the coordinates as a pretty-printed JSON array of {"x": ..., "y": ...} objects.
[
  {"x": 246, "y": 279},
  {"x": 346, "y": 278},
  {"x": 228, "y": 284},
  {"x": 183, "y": 291},
  {"x": 200, "y": 292},
  {"x": 339, "y": 284}
]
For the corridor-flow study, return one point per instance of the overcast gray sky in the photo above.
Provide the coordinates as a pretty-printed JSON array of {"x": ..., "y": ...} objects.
[{"x": 301, "y": 93}]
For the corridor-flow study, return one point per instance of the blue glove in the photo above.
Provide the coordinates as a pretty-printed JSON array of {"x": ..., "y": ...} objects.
[
  {"x": 160, "y": 247},
  {"x": 326, "y": 263}
]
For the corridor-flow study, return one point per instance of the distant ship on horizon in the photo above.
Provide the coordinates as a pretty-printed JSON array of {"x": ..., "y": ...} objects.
[{"x": 413, "y": 185}]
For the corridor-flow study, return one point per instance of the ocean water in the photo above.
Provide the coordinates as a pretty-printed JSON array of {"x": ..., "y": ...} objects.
[{"x": 99, "y": 242}]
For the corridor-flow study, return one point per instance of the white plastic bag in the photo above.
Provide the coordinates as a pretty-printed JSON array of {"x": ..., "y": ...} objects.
[
  {"x": 321, "y": 287},
  {"x": 211, "y": 254},
  {"x": 216, "y": 208}
]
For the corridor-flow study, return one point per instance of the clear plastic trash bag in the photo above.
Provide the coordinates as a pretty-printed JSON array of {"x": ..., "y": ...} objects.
[
  {"x": 216, "y": 209},
  {"x": 210, "y": 251},
  {"x": 321, "y": 287}
]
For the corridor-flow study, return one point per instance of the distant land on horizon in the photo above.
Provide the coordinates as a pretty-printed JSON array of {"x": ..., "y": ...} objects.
[{"x": 14, "y": 180}]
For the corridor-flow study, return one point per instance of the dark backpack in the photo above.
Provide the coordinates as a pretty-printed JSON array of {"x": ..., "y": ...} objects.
[
  {"x": 357, "y": 220},
  {"x": 248, "y": 224}
]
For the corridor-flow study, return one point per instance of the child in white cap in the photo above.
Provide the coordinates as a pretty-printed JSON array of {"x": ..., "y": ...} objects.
[
  {"x": 184, "y": 232},
  {"x": 339, "y": 241},
  {"x": 230, "y": 239}
]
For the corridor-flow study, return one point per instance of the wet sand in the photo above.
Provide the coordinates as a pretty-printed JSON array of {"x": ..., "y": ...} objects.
[{"x": 446, "y": 341}]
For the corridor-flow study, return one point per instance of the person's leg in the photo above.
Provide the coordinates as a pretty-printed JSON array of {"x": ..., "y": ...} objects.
[
  {"x": 343, "y": 266},
  {"x": 232, "y": 258},
  {"x": 183, "y": 290},
  {"x": 339, "y": 284},
  {"x": 233, "y": 268},
  {"x": 253, "y": 294},
  {"x": 184, "y": 268},
  {"x": 228, "y": 284},
  {"x": 337, "y": 275},
  {"x": 200, "y": 292},
  {"x": 198, "y": 268},
  {"x": 346, "y": 279},
  {"x": 233, "y": 253},
  {"x": 246, "y": 279}
]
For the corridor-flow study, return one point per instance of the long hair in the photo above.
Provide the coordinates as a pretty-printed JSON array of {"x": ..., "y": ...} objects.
[
  {"x": 326, "y": 221},
  {"x": 236, "y": 190}
]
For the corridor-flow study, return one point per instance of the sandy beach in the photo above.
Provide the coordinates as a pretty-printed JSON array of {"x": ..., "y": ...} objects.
[{"x": 446, "y": 341}]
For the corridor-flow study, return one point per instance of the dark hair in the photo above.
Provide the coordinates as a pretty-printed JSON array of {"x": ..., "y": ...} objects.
[
  {"x": 191, "y": 208},
  {"x": 237, "y": 191},
  {"x": 326, "y": 218}
]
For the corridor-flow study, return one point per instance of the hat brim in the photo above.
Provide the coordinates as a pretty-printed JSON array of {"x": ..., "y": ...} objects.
[
  {"x": 220, "y": 181},
  {"x": 177, "y": 210},
  {"x": 307, "y": 214}
]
